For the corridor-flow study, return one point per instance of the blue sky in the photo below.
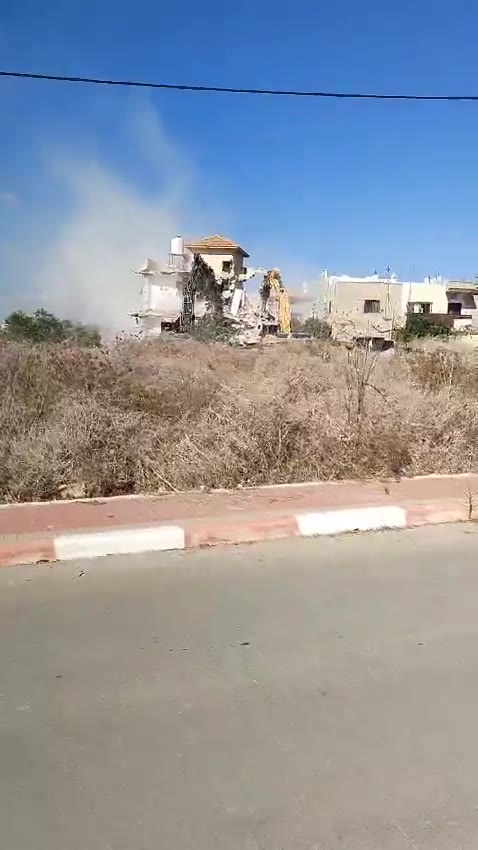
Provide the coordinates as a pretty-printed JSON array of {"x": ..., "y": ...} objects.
[{"x": 91, "y": 179}]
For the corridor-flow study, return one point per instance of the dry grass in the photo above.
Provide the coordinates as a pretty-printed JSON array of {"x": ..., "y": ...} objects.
[{"x": 179, "y": 415}]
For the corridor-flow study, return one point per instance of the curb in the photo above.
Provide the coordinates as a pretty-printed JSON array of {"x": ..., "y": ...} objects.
[{"x": 204, "y": 533}]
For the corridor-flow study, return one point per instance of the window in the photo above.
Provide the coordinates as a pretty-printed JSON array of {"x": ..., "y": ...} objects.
[
  {"x": 226, "y": 265},
  {"x": 454, "y": 308},
  {"x": 371, "y": 306},
  {"x": 423, "y": 307},
  {"x": 243, "y": 270}
]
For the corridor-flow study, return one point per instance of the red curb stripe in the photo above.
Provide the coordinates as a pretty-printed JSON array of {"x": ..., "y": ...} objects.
[
  {"x": 435, "y": 514},
  {"x": 214, "y": 534},
  {"x": 203, "y": 534},
  {"x": 27, "y": 552}
]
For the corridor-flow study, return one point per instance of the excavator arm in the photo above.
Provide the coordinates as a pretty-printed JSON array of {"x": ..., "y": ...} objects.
[{"x": 274, "y": 287}]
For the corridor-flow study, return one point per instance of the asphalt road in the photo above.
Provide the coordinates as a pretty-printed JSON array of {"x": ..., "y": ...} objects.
[{"x": 305, "y": 695}]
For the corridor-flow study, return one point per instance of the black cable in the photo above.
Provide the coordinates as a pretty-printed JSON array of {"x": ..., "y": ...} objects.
[{"x": 281, "y": 92}]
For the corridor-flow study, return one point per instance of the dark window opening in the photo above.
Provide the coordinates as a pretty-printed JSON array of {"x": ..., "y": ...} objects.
[
  {"x": 371, "y": 306},
  {"x": 226, "y": 265},
  {"x": 454, "y": 308}
]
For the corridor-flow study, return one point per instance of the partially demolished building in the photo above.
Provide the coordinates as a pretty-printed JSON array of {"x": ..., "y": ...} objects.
[{"x": 208, "y": 277}]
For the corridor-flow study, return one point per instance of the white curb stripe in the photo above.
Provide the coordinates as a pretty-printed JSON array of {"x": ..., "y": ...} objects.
[
  {"x": 353, "y": 519},
  {"x": 122, "y": 542}
]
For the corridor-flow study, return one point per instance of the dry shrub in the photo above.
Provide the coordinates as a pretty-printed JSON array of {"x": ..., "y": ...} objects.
[{"x": 182, "y": 414}]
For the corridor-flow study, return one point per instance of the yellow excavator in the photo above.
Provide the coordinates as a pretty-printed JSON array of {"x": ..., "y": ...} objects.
[{"x": 273, "y": 286}]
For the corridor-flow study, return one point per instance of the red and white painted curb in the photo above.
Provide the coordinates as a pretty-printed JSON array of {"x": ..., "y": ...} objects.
[{"x": 213, "y": 532}]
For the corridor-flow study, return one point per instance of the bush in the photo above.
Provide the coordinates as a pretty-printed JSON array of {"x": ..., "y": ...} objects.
[
  {"x": 156, "y": 415},
  {"x": 419, "y": 325},
  {"x": 212, "y": 329},
  {"x": 316, "y": 328}
]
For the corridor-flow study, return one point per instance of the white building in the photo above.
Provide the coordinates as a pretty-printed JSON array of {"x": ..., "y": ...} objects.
[{"x": 162, "y": 287}]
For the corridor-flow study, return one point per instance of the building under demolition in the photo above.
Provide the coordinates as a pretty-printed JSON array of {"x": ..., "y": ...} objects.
[{"x": 209, "y": 277}]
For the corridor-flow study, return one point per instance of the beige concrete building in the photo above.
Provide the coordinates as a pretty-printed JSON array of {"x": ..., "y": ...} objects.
[
  {"x": 360, "y": 307},
  {"x": 221, "y": 254},
  {"x": 373, "y": 306}
]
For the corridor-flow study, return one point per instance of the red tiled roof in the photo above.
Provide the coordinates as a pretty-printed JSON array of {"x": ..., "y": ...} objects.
[{"x": 215, "y": 242}]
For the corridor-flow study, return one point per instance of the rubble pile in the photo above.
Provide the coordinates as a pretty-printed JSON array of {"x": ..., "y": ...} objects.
[
  {"x": 227, "y": 303},
  {"x": 251, "y": 322}
]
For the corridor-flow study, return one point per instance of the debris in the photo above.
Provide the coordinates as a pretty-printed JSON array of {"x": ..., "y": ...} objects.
[
  {"x": 72, "y": 491},
  {"x": 248, "y": 336},
  {"x": 236, "y": 301}
]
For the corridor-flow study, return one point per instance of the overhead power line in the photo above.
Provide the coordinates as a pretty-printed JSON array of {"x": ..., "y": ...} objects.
[{"x": 229, "y": 90}]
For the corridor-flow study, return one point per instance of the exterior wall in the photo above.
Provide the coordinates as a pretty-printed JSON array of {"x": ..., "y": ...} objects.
[
  {"x": 162, "y": 301},
  {"x": 428, "y": 293},
  {"x": 463, "y": 324},
  {"x": 162, "y": 295},
  {"x": 215, "y": 258},
  {"x": 345, "y": 307}
]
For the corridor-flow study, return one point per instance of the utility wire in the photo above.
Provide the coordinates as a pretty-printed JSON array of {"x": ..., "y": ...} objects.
[{"x": 227, "y": 90}]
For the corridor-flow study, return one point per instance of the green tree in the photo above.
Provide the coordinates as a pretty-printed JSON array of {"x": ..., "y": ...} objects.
[
  {"x": 42, "y": 326},
  {"x": 18, "y": 325}
]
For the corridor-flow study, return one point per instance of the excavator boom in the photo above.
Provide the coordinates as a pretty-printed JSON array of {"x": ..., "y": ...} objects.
[{"x": 273, "y": 286}]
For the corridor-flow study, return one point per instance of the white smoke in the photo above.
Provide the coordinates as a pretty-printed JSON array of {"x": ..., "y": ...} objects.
[{"x": 85, "y": 269}]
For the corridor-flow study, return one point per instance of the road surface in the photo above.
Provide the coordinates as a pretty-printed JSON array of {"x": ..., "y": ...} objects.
[{"x": 299, "y": 695}]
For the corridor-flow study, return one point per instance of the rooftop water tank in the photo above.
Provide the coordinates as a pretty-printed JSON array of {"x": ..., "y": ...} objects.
[{"x": 177, "y": 246}]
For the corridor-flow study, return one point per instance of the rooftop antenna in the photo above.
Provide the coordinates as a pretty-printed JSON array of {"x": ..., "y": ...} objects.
[{"x": 388, "y": 304}]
